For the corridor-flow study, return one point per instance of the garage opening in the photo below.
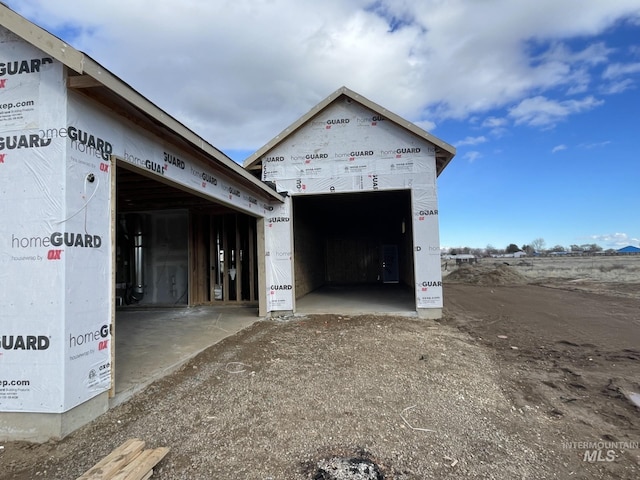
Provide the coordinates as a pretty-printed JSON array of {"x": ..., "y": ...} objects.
[
  {"x": 174, "y": 249},
  {"x": 354, "y": 245}
]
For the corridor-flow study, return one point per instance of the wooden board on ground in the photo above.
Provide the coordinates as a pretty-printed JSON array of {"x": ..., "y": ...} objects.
[
  {"x": 127, "y": 462},
  {"x": 141, "y": 465}
]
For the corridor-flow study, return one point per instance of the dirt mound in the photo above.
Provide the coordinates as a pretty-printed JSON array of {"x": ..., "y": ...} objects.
[{"x": 479, "y": 274}]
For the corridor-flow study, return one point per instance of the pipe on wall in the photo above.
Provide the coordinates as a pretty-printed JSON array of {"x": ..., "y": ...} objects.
[{"x": 138, "y": 260}]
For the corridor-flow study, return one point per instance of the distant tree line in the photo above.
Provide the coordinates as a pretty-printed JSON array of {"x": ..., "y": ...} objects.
[{"x": 536, "y": 246}]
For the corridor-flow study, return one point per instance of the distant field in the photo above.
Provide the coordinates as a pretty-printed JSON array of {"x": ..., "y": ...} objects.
[
  {"x": 617, "y": 275},
  {"x": 597, "y": 268}
]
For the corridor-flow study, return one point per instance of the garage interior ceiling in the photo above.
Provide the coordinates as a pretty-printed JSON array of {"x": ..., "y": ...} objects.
[
  {"x": 364, "y": 211},
  {"x": 136, "y": 192}
]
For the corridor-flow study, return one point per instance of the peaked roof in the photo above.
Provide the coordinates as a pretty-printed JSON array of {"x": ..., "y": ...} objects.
[
  {"x": 101, "y": 85},
  {"x": 444, "y": 151},
  {"x": 629, "y": 249}
]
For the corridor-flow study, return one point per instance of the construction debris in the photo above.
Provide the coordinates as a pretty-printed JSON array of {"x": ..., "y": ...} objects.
[{"x": 127, "y": 462}]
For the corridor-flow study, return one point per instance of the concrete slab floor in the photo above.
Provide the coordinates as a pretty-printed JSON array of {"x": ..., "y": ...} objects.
[
  {"x": 152, "y": 342},
  {"x": 381, "y": 298}
]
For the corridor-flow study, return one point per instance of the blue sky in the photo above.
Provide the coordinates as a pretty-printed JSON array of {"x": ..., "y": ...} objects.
[{"x": 540, "y": 98}]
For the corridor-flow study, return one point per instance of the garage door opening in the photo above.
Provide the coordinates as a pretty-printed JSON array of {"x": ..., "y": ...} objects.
[
  {"x": 354, "y": 246},
  {"x": 177, "y": 248},
  {"x": 174, "y": 249}
]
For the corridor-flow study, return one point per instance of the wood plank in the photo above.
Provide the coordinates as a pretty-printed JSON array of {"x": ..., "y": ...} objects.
[
  {"x": 261, "y": 247},
  {"x": 113, "y": 220},
  {"x": 196, "y": 221},
  {"x": 227, "y": 258},
  {"x": 109, "y": 465},
  {"x": 202, "y": 259},
  {"x": 191, "y": 295},
  {"x": 238, "y": 264},
  {"x": 137, "y": 468},
  {"x": 82, "y": 81},
  {"x": 252, "y": 260},
  {"x": 140, "y": 466}
]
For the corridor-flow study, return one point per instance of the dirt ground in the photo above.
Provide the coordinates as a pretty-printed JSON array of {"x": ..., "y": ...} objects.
[{"x": 524, "y": 377}]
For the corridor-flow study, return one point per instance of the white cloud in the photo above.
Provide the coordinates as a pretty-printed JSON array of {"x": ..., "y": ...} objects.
[
  {"x": 616, "y": 70},
  {"x": 594, "y": 54},
  {"x": 558, "y": 148},
  {"x": 426, "y": 125},
  {"x": 590, "y": 146},
  {"x": 472, "y": 156},
  {"x": 496, "y": 125},
  {"x": 616, "y": 240},
  {"x": 617, "y": 87},
  {"x": 471, "y": 141},
  {"x": 615, "y": 77},
  {"x": 493, "y": 122},
  {"x": 240, "y": 71},
  {"x": 541, "y": 111}
]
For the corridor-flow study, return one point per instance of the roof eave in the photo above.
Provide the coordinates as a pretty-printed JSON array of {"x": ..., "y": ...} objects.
[
  {"x": 42, "y": 39},
  {"x": 85, "y": 65},
  {"x": 120, "y": 88}
]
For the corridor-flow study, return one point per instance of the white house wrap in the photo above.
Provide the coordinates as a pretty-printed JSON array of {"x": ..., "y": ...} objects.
[{"x": 347, "y": 144}]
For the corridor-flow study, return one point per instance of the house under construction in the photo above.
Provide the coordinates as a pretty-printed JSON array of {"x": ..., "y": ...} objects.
[{"x": 110, "y": 203}]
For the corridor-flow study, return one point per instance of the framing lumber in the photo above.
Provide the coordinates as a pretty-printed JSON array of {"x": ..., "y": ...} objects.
[{"x": 82, "y": 81}]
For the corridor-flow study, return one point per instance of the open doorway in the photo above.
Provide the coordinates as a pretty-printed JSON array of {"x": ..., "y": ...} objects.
[
  {"x": 176, "y": 248},
  {"x": 352, "y": 240},
  {"x": 224, "y": 264},
  {"x": 173, "y": 249}
]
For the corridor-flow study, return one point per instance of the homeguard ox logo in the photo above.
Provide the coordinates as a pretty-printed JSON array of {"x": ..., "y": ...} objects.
[
  {"x": 424, "y": 286},
  {"x": 18, "y": 67},
  {"x": 94, "y": 336},
  {"x": 24, "y": 342}
]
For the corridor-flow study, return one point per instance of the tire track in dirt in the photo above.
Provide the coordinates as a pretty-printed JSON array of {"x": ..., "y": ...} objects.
[{"x": 573, "y": 354}]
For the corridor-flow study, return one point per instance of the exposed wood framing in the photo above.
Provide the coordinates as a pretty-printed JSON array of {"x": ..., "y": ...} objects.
[
  {"x": 225, "y": 249},
  {"x": 252, "y": 260},
  {"x": 193, "y": 261},
  {"x": 82, "y": 81},
  {"x": 213, "y": 260},
  {"x": 262, "y": 288},
  {"x": 112, "y": 219},
  {"x": 202, "y": 264},
  {"x": 237, "y": 233},
  {"x": 198, "y": 260}
]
